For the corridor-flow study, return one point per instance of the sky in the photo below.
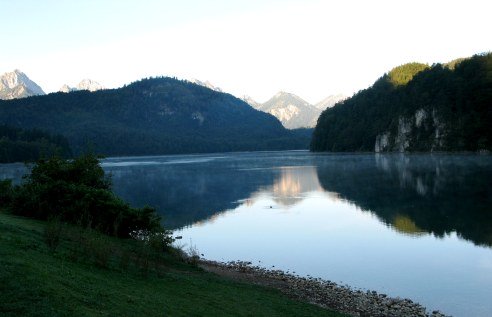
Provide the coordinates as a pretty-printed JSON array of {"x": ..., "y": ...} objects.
[{"x": 246, "y": 47}]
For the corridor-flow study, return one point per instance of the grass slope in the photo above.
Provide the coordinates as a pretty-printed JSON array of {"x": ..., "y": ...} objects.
[{"x": 35, "y": 281}]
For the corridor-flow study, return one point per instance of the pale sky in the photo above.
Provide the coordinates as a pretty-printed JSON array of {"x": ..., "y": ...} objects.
[{"x": 254, "y": 47}]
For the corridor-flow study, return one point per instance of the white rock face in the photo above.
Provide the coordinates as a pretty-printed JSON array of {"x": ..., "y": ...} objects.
[
  {"x": 291, "y": 110},
  {"x": 330, "y": 101},
  {"x": 286, "y": 113},
  {"x": 439, "y": 131},
  {"x": 402, "y": 139},
  {"x": 250, "y": 101},
  {"x": 206, "y": 83},
  {"x": 89, "y": 84},
  {"x": 420, "y": 116},
  {"x": 66, "y": 88},
  {"x": 85, "y": 84},
  {"x": 382, "y": 142},
  {"x": 16, "y": 84}
]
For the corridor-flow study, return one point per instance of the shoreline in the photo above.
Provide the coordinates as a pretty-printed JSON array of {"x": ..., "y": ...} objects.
[{"x": 320, "y": 292}]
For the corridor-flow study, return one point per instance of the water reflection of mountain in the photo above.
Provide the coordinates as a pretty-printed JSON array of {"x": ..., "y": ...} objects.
[
  {"x": 414, "y": 193},
  {"x": 291, "y": 185}
]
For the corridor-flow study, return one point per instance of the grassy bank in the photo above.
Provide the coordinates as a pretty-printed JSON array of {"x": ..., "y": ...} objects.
[{"x": 114, "y": 277}]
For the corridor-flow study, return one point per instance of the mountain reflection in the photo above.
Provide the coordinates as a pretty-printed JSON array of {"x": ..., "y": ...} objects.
[
  {"x": 413, "y": 194},
  {"x": 291, "y": 185},
  {"x": 192, "y": 193}
]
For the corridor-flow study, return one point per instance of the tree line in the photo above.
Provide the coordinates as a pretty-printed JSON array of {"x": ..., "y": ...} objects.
[{"x": 455, "y": 97}]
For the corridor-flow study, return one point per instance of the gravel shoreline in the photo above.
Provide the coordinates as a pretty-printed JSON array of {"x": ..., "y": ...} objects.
[{"x": 320, "y": 292}]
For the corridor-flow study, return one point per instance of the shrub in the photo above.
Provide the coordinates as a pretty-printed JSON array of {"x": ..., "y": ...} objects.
[{"x": 78, "y": 192}]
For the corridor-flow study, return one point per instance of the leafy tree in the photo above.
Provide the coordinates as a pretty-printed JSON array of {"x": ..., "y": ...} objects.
[
  {"x": 401, "y": 75},
  {"x": 78, "y": 192}
]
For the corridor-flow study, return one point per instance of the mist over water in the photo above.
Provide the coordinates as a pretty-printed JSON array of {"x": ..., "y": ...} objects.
[{"x": 416, "y": 226}]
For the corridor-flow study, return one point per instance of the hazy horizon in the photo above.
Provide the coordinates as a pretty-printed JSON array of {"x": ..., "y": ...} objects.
[{"x": 310, "y": 48}]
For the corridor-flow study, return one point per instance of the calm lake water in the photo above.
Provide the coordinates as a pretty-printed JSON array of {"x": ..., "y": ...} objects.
[{"x": 416, "y": 226}]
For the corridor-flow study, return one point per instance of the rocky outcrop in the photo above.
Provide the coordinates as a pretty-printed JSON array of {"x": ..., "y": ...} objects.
[
  {"x": 291, "y": 110},
  {"x": 206, "y": 83},
  {"x": 382, "y": 142},
  {"x": 422, "y": 127},
  {"x": 330, "y": 101},
  {"x": 16, "y": 84},
  {"x": 85, "y": 84}
]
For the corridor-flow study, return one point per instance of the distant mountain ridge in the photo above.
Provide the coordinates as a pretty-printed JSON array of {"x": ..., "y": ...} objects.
[
  {"x": 330, "y": 101},
  {"x": 206, "y": 83},
  {"x": 16, "y": 84},
  {"x": 152, "y": 116},
  {"x": 85, "y": 84},
  {"x": 293, "y": 111}
]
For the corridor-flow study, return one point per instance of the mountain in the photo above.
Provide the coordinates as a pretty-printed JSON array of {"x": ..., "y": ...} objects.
[
  {"x": 152, "y": 116},
  {"x": 85, "y": 84},
  {"x": 16, "y": 84},
  {"x": 415, "y": 107},
  {"x": 206, "y": 83},
  {"x": 330, "y": 101},
  {"x": 250, "y": 101},
  {"x": 291, "y": 110}
]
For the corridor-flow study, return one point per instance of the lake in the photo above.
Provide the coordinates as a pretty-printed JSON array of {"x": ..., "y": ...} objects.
[{"x": 417, "y": 226}]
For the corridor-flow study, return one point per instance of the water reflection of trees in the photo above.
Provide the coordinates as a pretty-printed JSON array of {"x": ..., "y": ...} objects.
[
  {"x": 419, "y": 193},
  {"x": 188, "y": 193},
  {"x": 413, "y": 194}
]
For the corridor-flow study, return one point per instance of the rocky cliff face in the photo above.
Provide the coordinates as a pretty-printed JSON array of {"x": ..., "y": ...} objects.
[
  {"x": 250, "y": 101},
  {"x": 85, "y": 84},
  {"x": 293, "y": 111},
  {"x": 330, "y": 101},
  {"x": 415, "y": 108},
  {"x": 423, "y": 127},
  {"x": 16, "y": 84},
  {"x": 206, "y": 83}
]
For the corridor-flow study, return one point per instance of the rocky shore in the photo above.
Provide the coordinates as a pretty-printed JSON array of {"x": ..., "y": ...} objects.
[{"x": 321, "y": 292}]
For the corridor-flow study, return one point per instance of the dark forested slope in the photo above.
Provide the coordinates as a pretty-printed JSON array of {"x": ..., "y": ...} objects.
[
  {"x": 152, "y": 116},
  {"x": 415, "y": 108},
  {"x": 18, "y": 145}
]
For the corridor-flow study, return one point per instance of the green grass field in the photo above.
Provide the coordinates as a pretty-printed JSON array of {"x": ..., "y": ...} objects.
[{"x": 71, "y": 281}]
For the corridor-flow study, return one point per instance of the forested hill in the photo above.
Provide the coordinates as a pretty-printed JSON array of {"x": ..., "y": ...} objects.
[
  {"x": 20, "y": 145},
  {"x": 152, "y": 116},
  {"x": 415, "y": 107}
]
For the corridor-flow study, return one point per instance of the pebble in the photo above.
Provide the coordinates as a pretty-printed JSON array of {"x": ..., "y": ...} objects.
[{"x": 331, "y": 295}]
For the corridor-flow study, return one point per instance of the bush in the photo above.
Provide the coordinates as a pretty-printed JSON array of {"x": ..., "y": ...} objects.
[{"x": 78, "y": 192}]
